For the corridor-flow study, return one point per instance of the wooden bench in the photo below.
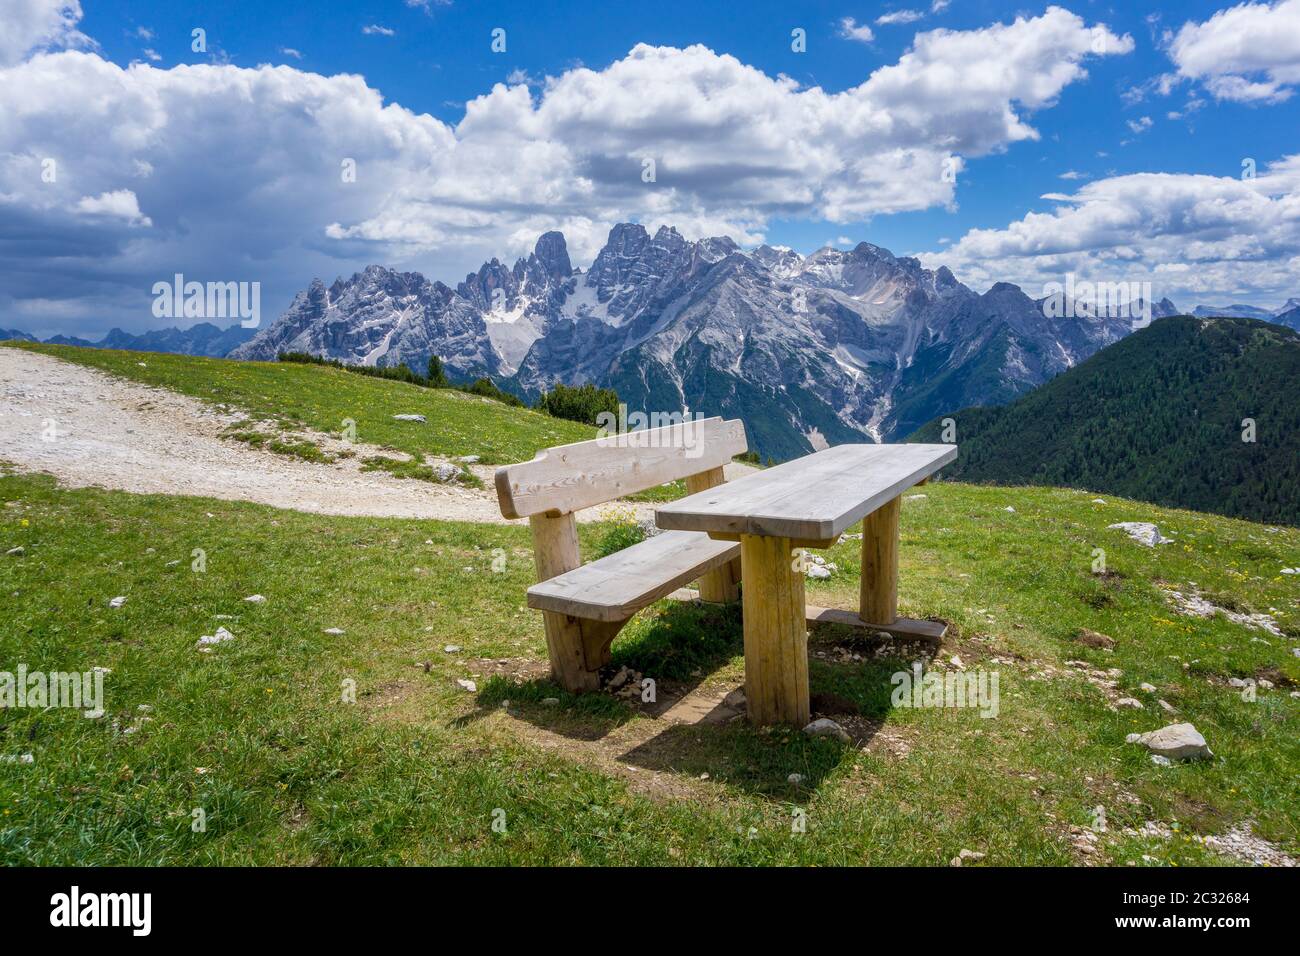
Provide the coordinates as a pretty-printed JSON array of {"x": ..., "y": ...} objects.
[{"x": 585, "y": 605}]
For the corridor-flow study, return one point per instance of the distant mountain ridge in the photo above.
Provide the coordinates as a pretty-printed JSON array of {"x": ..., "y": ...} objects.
[
  {"x": 203, "y": 339},
  {"x": 1160, "y": 416}
]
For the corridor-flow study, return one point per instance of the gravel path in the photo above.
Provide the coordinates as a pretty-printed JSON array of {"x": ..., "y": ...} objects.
[{"x": 88, "y": 428}]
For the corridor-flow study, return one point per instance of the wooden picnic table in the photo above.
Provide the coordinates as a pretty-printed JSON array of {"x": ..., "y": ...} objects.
[{"x": 809, "y": 503}]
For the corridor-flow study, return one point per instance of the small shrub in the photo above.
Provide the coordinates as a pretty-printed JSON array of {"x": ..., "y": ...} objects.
[{"x": 581, "y": 404}]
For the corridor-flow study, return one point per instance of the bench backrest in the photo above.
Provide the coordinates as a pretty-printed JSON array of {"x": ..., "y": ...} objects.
[{"x": 568, "y": 478}]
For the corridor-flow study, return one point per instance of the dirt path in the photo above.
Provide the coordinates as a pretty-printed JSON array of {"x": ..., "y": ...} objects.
[{"x": 88, "y": 428}]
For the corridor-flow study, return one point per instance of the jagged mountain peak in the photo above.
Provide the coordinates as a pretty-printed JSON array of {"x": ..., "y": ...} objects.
[{"x": 552, "y": 253}]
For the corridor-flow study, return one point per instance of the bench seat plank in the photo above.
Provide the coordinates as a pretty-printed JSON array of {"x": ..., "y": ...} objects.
[{"x": 615, "y": 587}]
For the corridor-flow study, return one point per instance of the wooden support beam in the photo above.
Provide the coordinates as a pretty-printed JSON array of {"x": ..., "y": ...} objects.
[
  {"x": 776, "y": 634},
  {"x": 721, "y": 585},
  {"x": 818, "y": 544},
  {"x": 879, "y": 584},
  {"x": 903, "y": 628},
  {"x": 596, "y": 639},
  {"x": 555, "y": 550}
]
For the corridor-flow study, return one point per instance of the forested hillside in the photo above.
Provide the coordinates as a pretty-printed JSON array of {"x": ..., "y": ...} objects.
[{"x": 1161, "y": 416}]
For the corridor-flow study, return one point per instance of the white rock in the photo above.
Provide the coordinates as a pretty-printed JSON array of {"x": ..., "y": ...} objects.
[
  {"x": 1010, "y": 509},
  {"x": 1130, "y": 702},
  {"x": 468, "y": 685},
  {"x": 1167, "y": 707},
  {"x": 468, "y": 459},
  {"x": 16, "y": 552},
  {"x": 410, "y": 418},
  {"x": 336, "y": 631},
  {"x": 1132, "y": 738},
  {"x": 1291, "y": 570},
  {"x": 1266, "y": 684},
  {"x": 916, "y": 497},
  {"x": 1176, "y": 742},
  {"x": 445, "y": 471},
  {"x": 1143, "y": 532},
  {"x": 220, "y": 637},
  {"x": 255, "y": 599},
  {"x": 550, "y": 701},
  {"x": 825, "y": 727},
  {"x": 1148, "y": 688},
  {"x": 1098, "y": 501},
  {"x": 117, "y": 602},
  {"x": 452, "y": 649},
  {"x": 1237, "y": 682},
  {"x": 1160, "y": 761},
  {"x": 795, "y": 778},
  {"x": 817, "y": 571}
]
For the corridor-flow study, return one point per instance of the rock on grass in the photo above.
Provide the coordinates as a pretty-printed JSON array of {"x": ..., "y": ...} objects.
[
  {"x": 1174, "y": 742},
  {"x": 1143, "y": 532},
  {"x": 824, "y": 727},
  {"x": 1100, "y": 641}
]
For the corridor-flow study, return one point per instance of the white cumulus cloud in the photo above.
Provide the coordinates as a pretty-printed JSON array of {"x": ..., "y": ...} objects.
[
  {"x": 1192, "y": 236},
  {"x": 242, "y": 174},
  {"x": 1248, "y": 53},
  {"x": 899, "y": 16},
  {"x": 27, "y": 25},
  {"x": 118, "y": 204},
  {"x": 850, "y": 29}
]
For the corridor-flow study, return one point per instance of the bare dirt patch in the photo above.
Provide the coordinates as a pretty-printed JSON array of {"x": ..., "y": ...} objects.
[{"x": 91, "y": 429}]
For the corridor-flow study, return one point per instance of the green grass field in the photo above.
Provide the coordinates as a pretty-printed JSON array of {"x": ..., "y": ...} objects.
[
  {"x": 324, "y": 398},
  {"x": 258, "y": 736}
]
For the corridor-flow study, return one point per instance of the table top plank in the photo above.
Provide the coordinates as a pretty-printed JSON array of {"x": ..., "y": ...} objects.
[{"x": 816, "y": 497}]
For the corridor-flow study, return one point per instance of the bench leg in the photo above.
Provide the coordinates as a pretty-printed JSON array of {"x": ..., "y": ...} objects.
[
  {"x": 879, "y": 584},
  {"x": 721, "y": 585},
  {"x": 567, "y": 650},
  {"x": 776, "y": 634},
  {"x": 578, "y": 649}
]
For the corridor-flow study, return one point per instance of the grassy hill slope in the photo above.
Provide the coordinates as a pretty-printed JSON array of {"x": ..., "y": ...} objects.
[
  {"x": 259, "y": 735},
  {"x": 1158, "y": 416},
  {"x": 322, "y": 398}
]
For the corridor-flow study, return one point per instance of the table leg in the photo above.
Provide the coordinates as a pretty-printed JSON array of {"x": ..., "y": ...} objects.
[
  {"x": 879, "y": 583},
  {"x": 776, "y": 633}
]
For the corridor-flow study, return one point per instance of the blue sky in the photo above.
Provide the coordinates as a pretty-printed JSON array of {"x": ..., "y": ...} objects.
[{"x": 1102, "y": 122}]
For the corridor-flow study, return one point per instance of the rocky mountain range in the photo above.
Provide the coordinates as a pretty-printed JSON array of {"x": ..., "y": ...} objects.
[
  {"x": 836, "y": 346},
  {"x": 840, "y": 345}
]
